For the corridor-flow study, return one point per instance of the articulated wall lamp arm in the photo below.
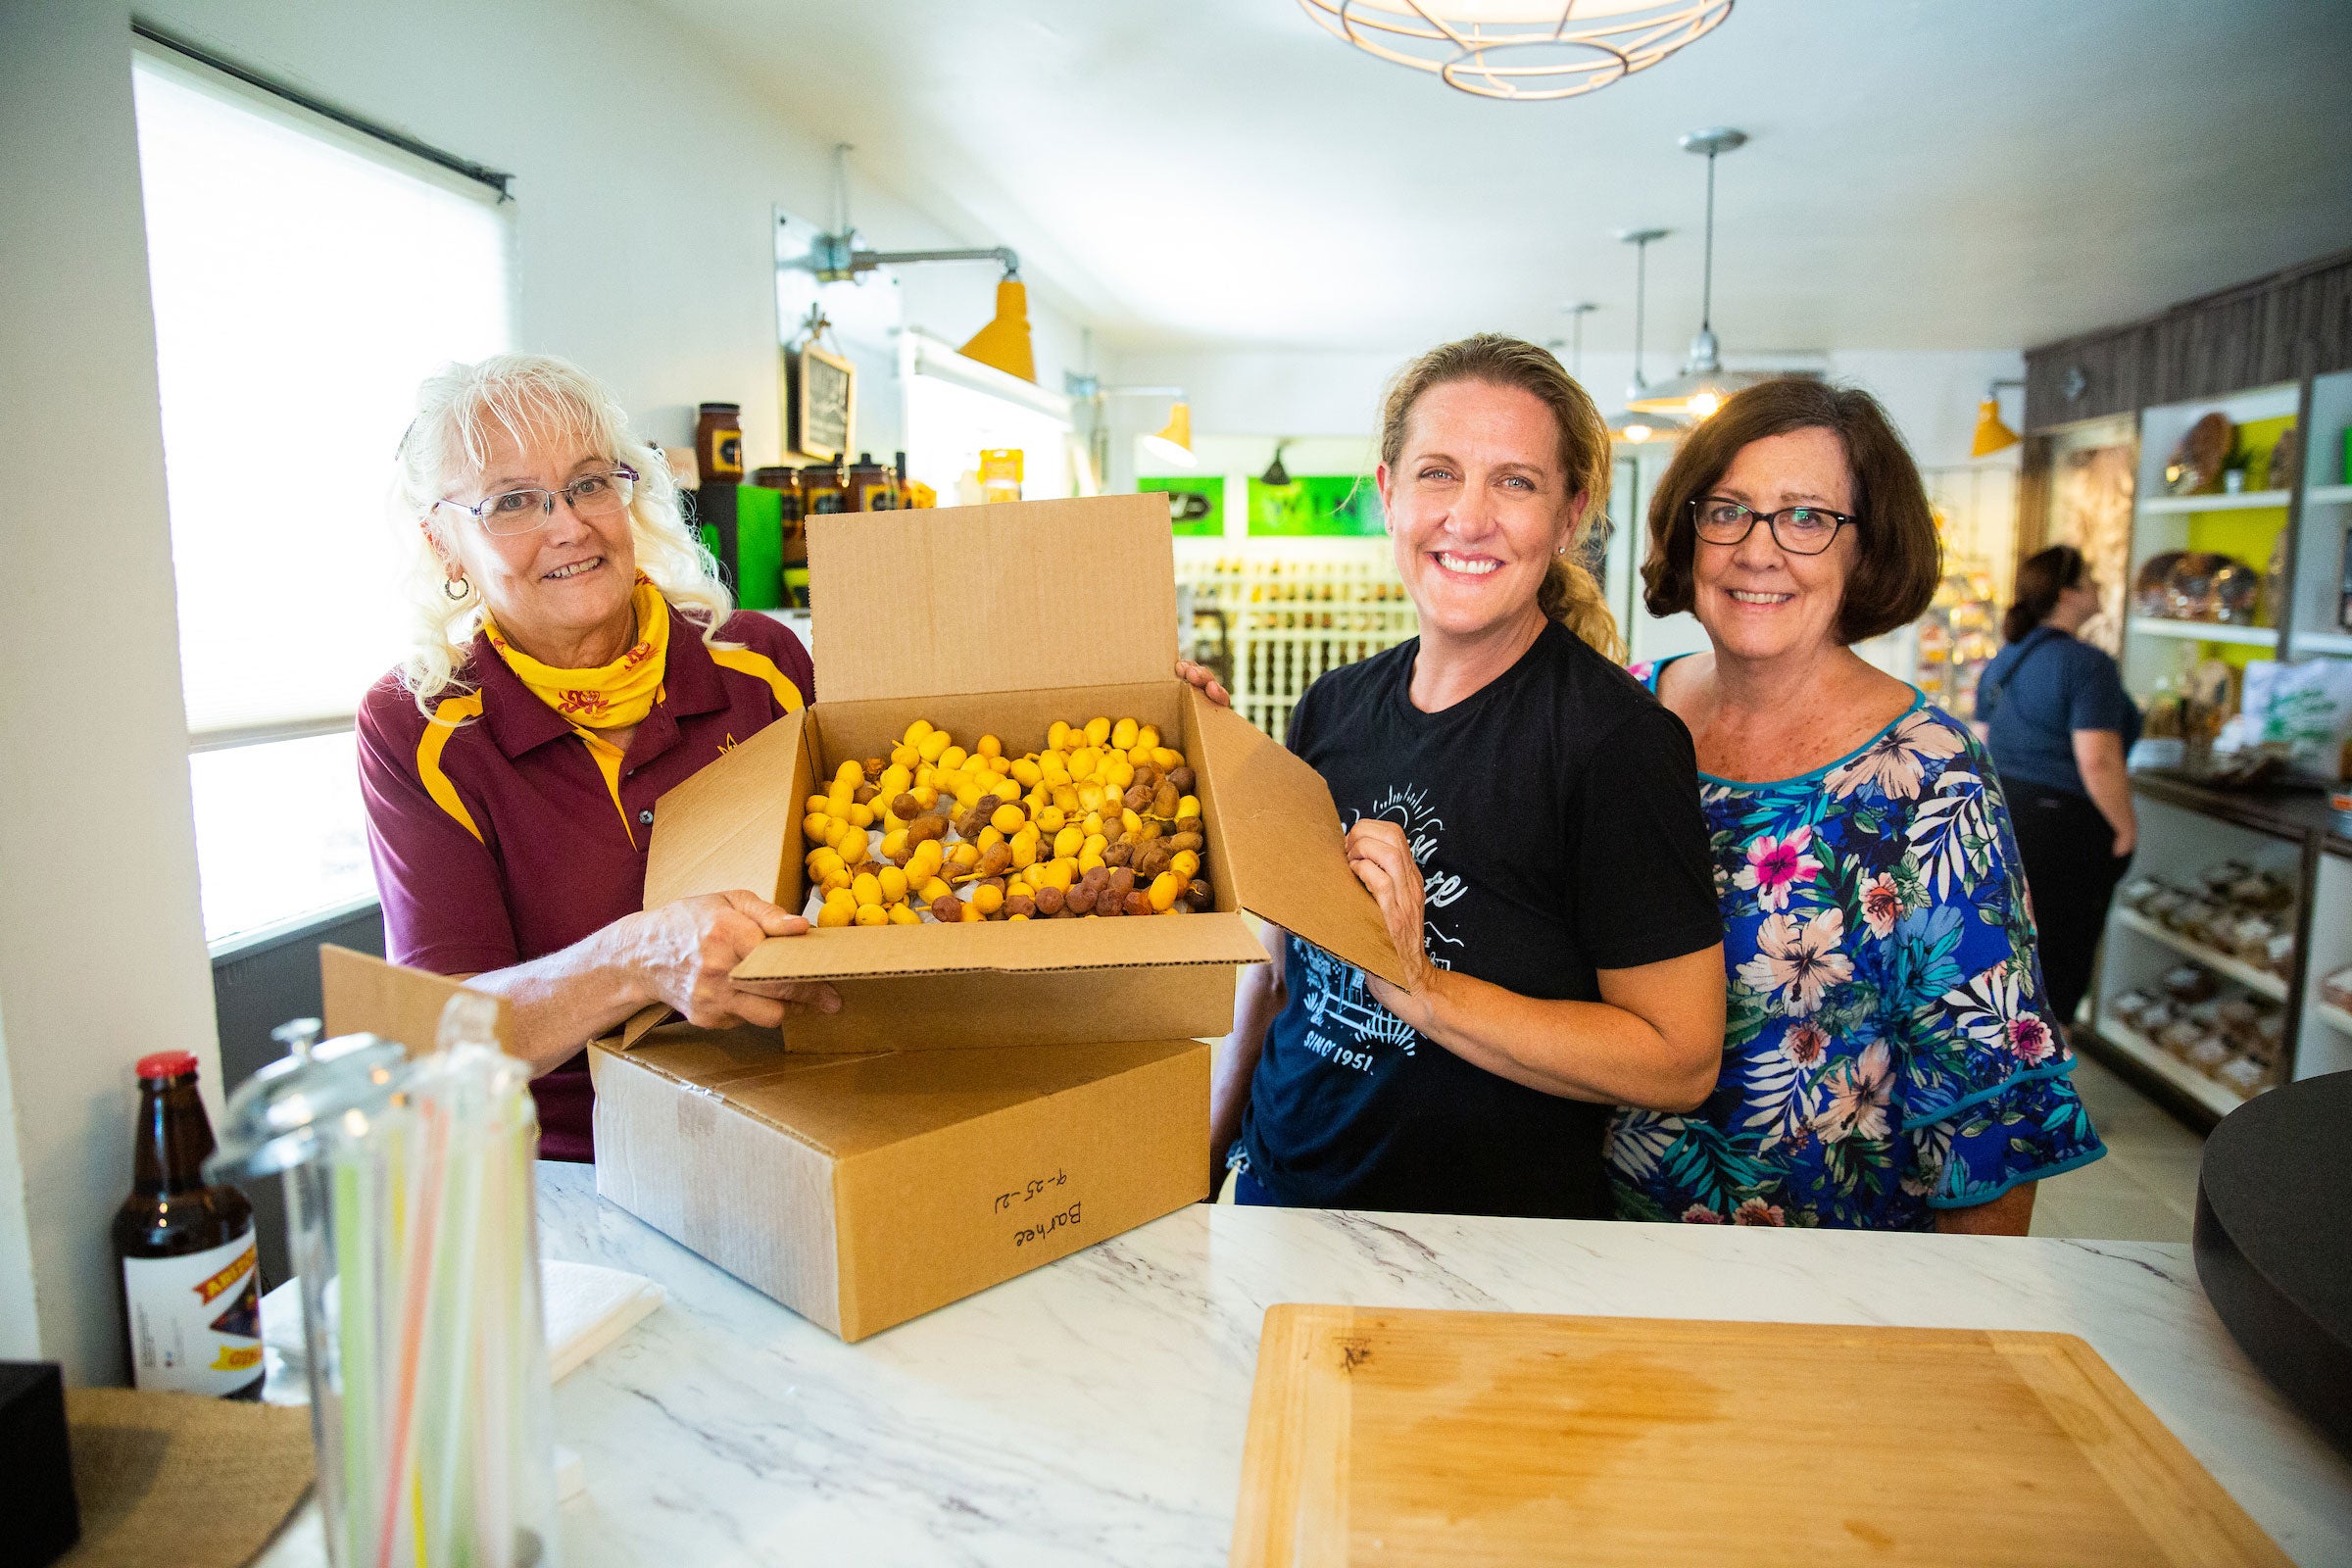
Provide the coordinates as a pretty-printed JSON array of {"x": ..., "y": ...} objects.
[{"x": 836, "y": 258}]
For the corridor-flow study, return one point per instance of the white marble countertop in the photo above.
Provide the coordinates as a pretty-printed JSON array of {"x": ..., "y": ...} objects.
[{"x": 1092, "y": 1411}]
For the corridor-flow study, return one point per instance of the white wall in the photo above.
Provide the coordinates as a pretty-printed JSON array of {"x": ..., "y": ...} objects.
[
  {"x": 102, "y": 955},
  {"x": 646, "y": 167},
  {"x": 645, "y": 180}
]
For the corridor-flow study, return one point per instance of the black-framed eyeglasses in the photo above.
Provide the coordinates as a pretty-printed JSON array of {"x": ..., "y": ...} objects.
[
  {"x": 1799, "y": 531},
  {"x": 520, "y": 511}
]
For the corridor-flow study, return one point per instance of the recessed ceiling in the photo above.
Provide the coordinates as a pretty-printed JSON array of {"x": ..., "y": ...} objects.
[{"x": 1923, "y": 174}]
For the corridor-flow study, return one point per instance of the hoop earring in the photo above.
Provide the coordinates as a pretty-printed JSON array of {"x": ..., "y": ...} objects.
[{"x": 456, "y": 588}]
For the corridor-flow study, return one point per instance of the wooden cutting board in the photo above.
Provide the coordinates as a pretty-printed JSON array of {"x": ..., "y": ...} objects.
[{"x": 1384, "y": 1436}]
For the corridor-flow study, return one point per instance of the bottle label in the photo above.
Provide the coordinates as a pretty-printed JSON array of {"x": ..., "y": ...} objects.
[{"x": 196, "y": 1320}]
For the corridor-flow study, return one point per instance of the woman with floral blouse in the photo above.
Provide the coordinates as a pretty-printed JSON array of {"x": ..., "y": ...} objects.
[{"x": 1890, "y": 1062}]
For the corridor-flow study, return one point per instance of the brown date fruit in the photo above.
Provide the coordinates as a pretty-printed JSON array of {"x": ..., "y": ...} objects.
[
  {"x": 874, "y": 766},
  {"x": 1200, "y": 894},
  {"x": 1139, "y": 795},
  {"x": 1183, "y": 779},
  {"x": 1138, "y": 903},
  {"x": 1188, "y": 825},
  {"x": 1185, "y": 841},
  {"x": 1020, "y": 903},
  {"x": 996, "y": 860},
  {"x": 1106, "y": 906},
  {"x": 1167, "y": 798},
  {"x": 863, "y": 794},
  {"x": 923, "y": 827},
  {"x": 1050, "y": 900},
  {"x": 906, "y": 808},
  {"x": 1119, "y": 854},
  {"x": 1122, "y": 881},
  {"x": 946, "y": 909},
  {"x": 1081, "y": 900}
]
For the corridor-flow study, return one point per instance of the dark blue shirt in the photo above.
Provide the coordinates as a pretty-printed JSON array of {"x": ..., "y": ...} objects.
[
  {"x": 1555, "y": 815},
  {"x": 2037, "y": 693}
]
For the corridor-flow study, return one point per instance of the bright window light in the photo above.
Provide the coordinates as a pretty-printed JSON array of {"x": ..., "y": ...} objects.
[{"x": 305, "y": 279}]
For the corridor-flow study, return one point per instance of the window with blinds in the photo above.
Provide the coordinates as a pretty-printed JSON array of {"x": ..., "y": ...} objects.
[{"x": 306, "y": 277}]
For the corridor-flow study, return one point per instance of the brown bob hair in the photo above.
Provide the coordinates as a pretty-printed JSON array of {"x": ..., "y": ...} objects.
[
  {"x": 1568, "y": 593},
  {"x": 1900, "y": 556}
]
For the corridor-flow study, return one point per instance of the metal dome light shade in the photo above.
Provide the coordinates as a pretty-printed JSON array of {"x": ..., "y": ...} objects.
[
  {"x": 1703, "y": 385},
  {"x": 1524, "y": 51},
  {"x": 1632, "y": 424}
]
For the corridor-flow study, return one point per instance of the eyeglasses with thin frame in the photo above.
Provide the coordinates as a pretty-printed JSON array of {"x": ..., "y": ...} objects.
[
  {"x": 591, "y": 495},
  {"x": 1799, "y": 531}
]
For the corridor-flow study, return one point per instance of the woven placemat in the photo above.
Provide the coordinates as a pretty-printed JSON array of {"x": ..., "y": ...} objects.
[{"x": 171, "y": 1478}]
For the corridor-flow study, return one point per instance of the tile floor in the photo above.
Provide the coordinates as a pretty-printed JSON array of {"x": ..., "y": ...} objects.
[{"x": 2146, "y": 1188}]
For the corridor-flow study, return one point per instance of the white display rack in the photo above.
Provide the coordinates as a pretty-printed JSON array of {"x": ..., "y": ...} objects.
[
  {"x": 2260, "y": 981},
  {"x": 2218, "y": 1098},
  {"x": 1288, "y": 622},
  {"x": 2219, "y": 501},
  {"x": 2205, "y": 631}
]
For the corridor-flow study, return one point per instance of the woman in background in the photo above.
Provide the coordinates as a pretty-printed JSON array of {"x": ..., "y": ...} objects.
[
  {"x": 1888, "y": 1062},
  {"x": 2059, "y": 724}
]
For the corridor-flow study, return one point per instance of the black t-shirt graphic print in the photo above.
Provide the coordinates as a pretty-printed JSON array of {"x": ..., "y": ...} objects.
[{"x": 1554, "y": 816}]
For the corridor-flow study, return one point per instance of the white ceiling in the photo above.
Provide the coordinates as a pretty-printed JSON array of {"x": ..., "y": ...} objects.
[{"x": 1924, "y": 173}]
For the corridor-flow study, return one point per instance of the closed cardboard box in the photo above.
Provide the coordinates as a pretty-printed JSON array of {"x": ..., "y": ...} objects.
[
  {"x": 861, "y": 1191},
  {"x": 1001, "y": 620},
  {"x": 864, "y": 1191}
]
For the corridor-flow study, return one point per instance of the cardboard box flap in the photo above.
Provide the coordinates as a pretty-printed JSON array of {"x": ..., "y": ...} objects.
[
  {"x": 1009, "y": 597},
  {"x": 1284, "y": 851},
  {"x": 849, "y": 1106},
  {"x": 1017, "y": 947},
  {"x": 730, "y": 824},
  {"x": 364, "y": 994}
]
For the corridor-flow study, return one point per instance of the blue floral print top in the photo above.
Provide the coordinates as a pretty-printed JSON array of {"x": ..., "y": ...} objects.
[{"x": 1887, "y": 1051}]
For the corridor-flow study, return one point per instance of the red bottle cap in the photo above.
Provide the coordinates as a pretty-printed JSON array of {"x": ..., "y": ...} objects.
[{"x": 166, "y": 1065}]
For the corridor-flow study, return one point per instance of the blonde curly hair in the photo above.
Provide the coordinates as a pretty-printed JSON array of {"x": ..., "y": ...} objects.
[{"x": 460, "y": 410}]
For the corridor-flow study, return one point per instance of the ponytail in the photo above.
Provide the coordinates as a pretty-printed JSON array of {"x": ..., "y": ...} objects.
[
  {"x": 2041, "y": 579},
  {"x": 1568, "y": 593}
]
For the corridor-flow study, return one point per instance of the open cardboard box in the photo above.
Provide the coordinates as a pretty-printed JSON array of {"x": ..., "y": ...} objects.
[
  {"x": 1000, "y": 619},
  {"x": 861, "y": 1191}
]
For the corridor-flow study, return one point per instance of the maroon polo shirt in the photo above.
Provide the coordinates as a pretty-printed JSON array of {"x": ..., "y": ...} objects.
[{"x": 495, "y": 837}]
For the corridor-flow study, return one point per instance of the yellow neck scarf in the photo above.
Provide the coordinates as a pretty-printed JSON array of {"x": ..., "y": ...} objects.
[{"x": 615, "y": 697}]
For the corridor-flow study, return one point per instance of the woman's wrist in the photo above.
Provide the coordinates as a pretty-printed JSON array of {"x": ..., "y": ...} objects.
[{"x": 1424, "y": 1003}]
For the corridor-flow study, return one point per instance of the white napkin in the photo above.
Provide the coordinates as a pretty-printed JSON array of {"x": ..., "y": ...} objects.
[{"x": 587, "y": 1307}]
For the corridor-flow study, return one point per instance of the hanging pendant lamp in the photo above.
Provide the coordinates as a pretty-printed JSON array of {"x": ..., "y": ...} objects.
[
  {"x": 1522, "y": 50},
  {"x": 1630, "y": 425},
  {"x": 1703, "y": 383}
]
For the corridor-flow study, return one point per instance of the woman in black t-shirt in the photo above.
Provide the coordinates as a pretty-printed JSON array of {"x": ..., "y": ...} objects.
[{"x": 1527, "y": 816}]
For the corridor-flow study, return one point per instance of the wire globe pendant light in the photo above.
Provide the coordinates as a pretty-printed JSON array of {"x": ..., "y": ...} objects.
[{"x": 1525, "y": 51}]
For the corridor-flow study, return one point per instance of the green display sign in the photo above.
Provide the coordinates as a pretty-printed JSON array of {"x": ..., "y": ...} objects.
[
  {"x": 1345, "y": 505},
  {"x": 1195, "y": 503}
]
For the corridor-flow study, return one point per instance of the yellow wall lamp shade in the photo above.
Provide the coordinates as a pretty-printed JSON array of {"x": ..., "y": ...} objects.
[
  {"x": 1004, "y": 343},
  {"x": 1174, "y": 442},
  {"x": 1993, "y": 435}
]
